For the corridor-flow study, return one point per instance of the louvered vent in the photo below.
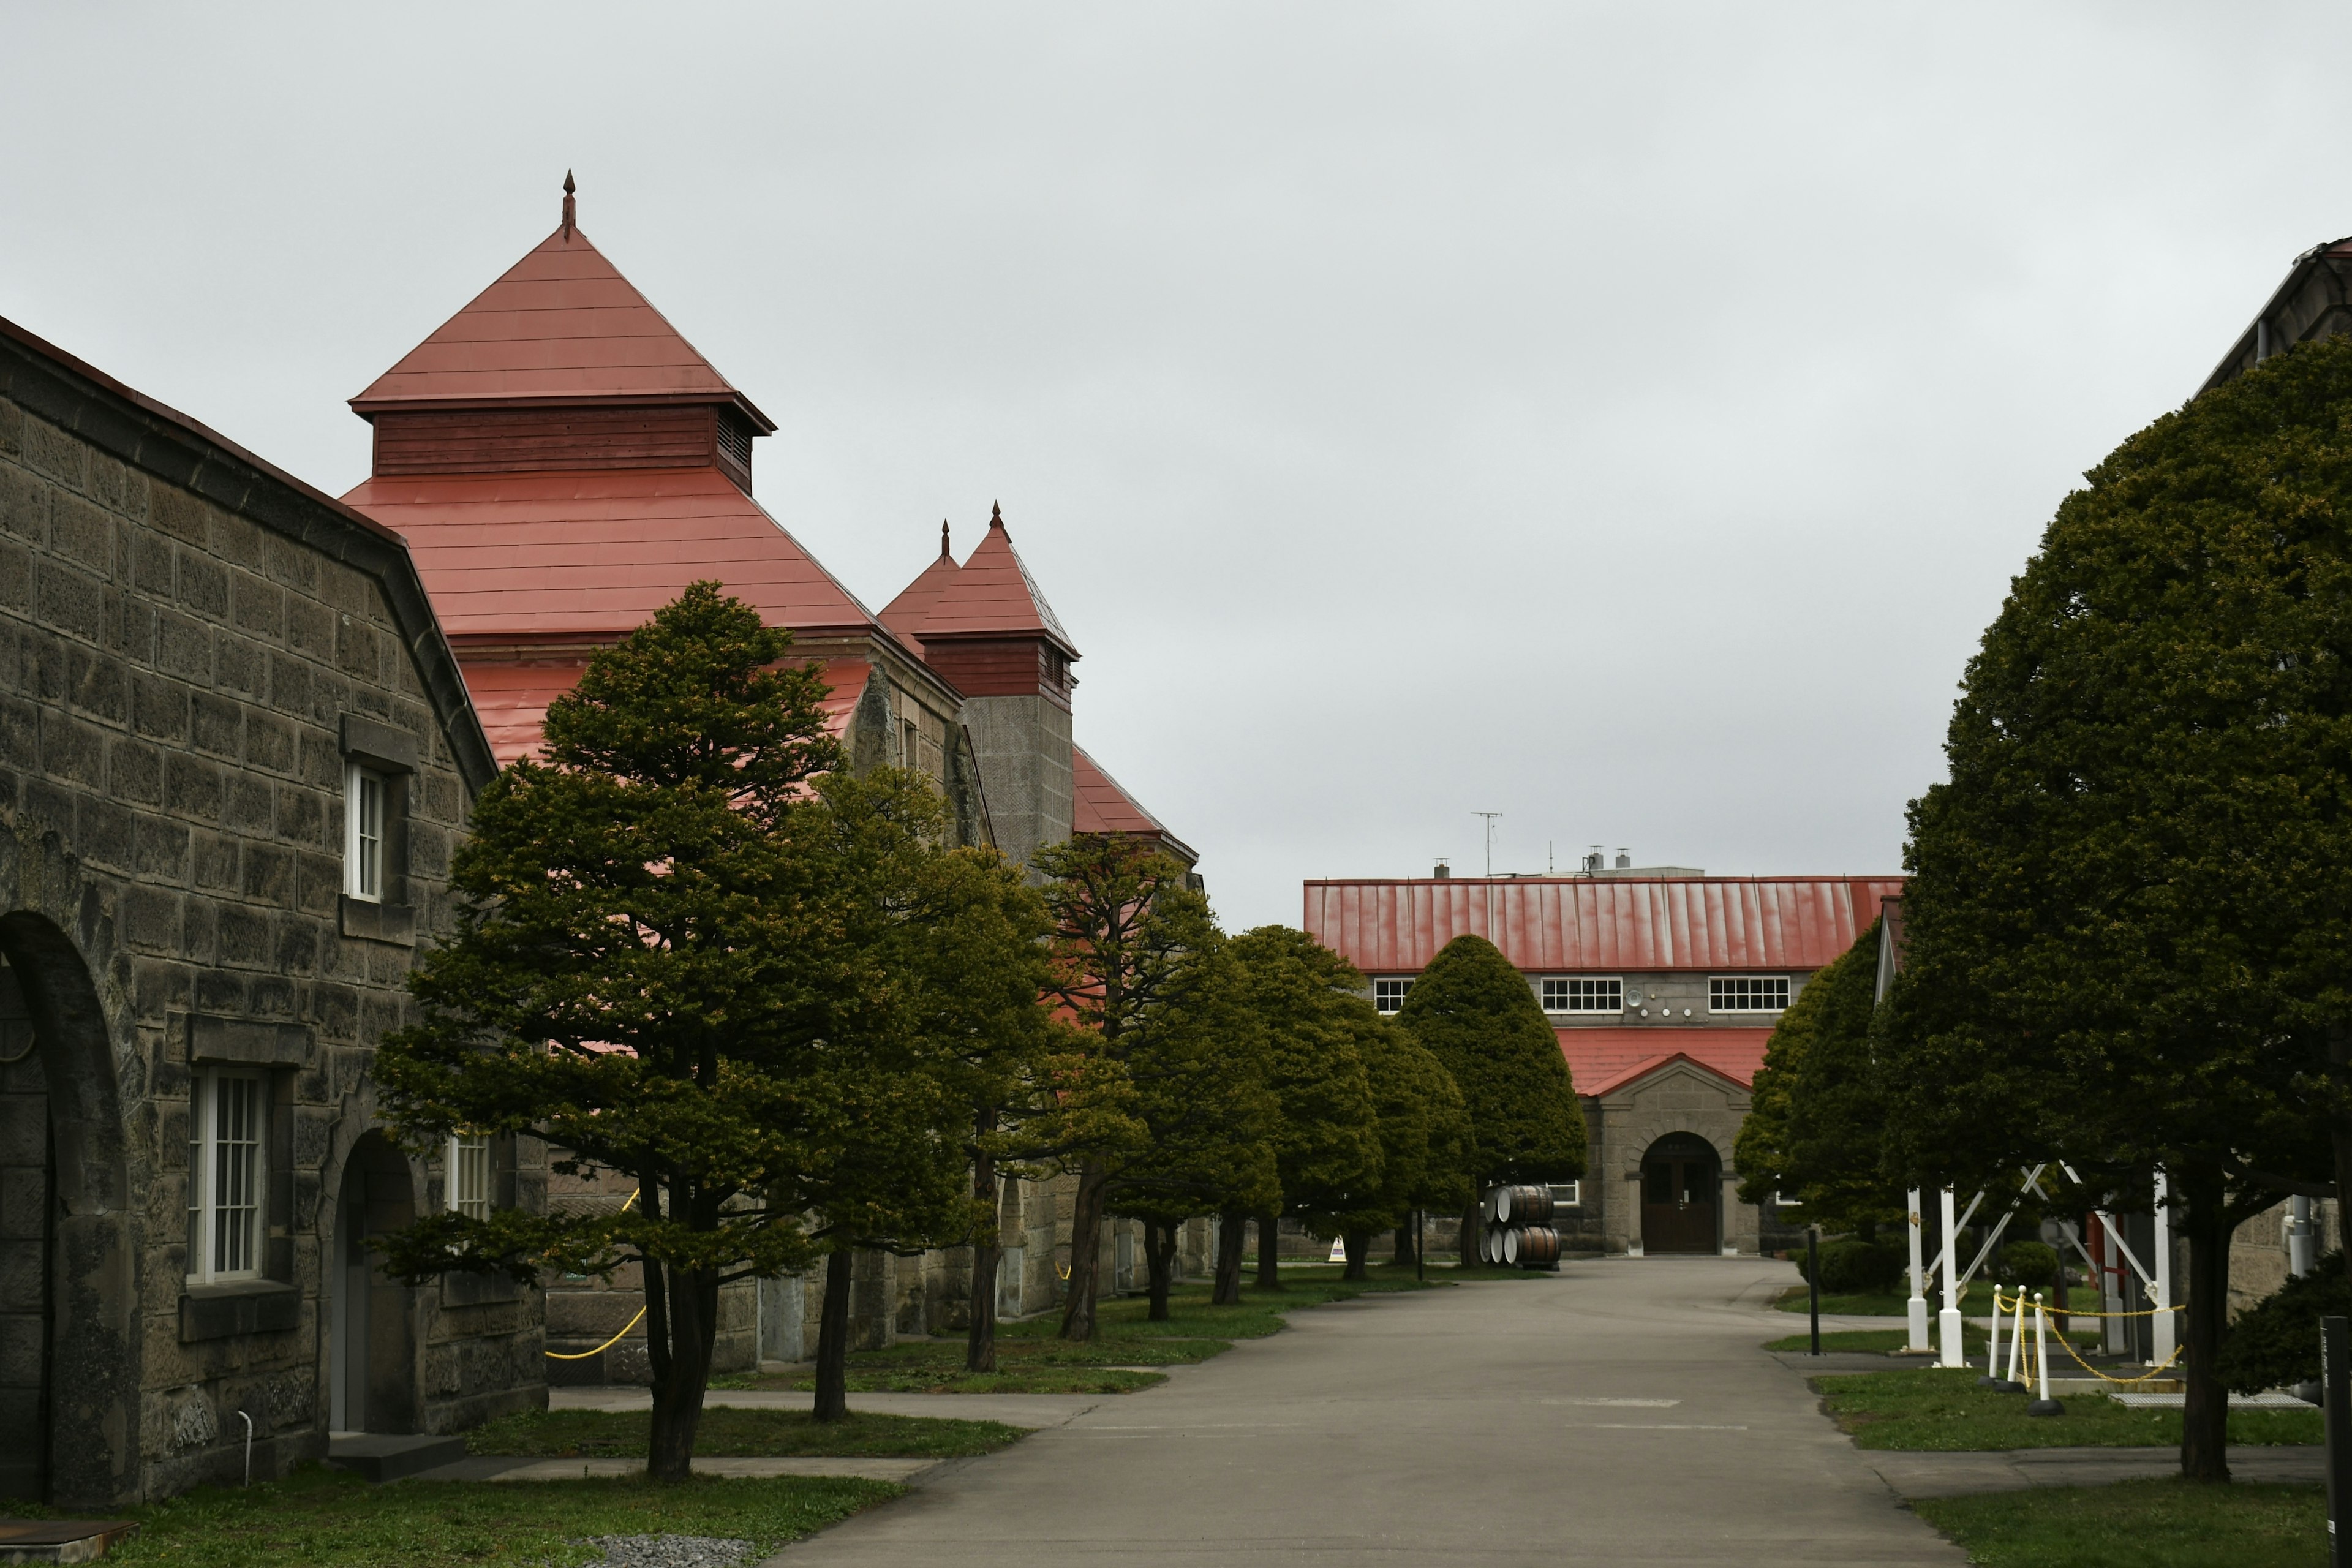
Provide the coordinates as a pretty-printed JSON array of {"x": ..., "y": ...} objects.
[{"x": 735, "y": 437}]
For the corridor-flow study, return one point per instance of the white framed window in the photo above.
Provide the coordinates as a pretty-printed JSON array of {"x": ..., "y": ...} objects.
[
  {"x": 1567, "y": 1195},
  {"x": 1578, "y": 995},
  {"x": 227, "y": 1111},
  {"x": 1388, "y": 995},
  {"x": 364, "y": 800},
  {"x": 1748, "y": 994},
  {"x": 469, "y": 1173}
]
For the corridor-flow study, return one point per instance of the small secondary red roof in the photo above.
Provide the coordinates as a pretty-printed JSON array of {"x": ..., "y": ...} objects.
[
  {"x": 560, "y": 326},
  {"x": 512, "y": 699},
  {"x": 1604, "y": 1060},
  {"x": 1567, "y": 924},
  {"x": 1100, "y": 803},
  {"x": 904, "y": 614},
  {"x": 992, "y": 593},
  {"x": 598, "y": 550}
]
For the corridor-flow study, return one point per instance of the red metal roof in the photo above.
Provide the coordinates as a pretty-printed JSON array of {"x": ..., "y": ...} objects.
[
  {"x": 992, "y": 594},
  {"x": 1100, "y": 803},
  {"x": 904, "y": 614},
  {"x": 1604, "y": 1060},
  {"x": 560, "y": 326},
  {"x": 512, "y": 699},
  {"x": 598, "y": 550},
  {"x": 1563, "y": 923}
]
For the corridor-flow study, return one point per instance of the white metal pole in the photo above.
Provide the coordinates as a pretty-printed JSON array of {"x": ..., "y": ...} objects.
[
  {"x": 2044, "y": 1404},
  {"x": 2017, "y": 1335},
  {"x": 1993, "y": 1345},
  {"x": 2162, "y": 1264},
  {"x": 2298, "y": 1236},
  {"x": 1919, "y": 1304},
  {"x": 1947, "y": 1322}
]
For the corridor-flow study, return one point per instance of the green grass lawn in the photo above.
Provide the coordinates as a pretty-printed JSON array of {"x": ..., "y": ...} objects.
[
  {"x": 1977, "y": 1299},
  {"x": 1031, "y": 1359},
  {"x": 1941, "y": 1409},
  {"x": 730, "y": 1433},
  {"x": 2138, "y": 1524},
  {"x": 1882, "y": 1341},
  {"x": 319, "y": 1518}
]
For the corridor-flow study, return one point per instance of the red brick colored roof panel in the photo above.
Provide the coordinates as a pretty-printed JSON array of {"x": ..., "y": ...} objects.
[
  {"x": 597, "y": 552},
  {"x": 561, "y": 325},
  {"x": 512, "y": 699},
  {"x": 905, "y": 613},
  {"x": 1603, "y": 1060},
  {"x": 1560, "y": 924},
  {"x": 993, "y": 594}
]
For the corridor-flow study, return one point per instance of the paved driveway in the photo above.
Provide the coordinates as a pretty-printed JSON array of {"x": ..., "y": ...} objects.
[{"x": 1619, "y": 1413}]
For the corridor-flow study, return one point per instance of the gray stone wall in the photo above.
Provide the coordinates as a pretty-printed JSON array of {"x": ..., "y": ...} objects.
[
  {"x": 188, "y": 643},
  {"x": 1678, "y": 1098},
  {"x": 1022, "y": 744}
]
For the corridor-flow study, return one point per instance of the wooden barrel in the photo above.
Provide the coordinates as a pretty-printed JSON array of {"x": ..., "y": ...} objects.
[
  {"x": 1523, "y": 1205},
  {"x": 1535, "y": 1246},
  {"x": 1491, "y": 1206},
  {"x": 1510, "y": 1246},
  {"x": 1490, "y": 1246}
]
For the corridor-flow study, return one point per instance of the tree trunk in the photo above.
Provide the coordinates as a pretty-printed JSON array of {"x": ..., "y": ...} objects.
[
  {"x": 1360, "y": 1246},
  {"x": 1233, "y": 1232},
  {"x": 1160, "y": 1253},
  {"x": 1086, "y": 1254},
  {"x": 2205, "y": 1423},
  {"x": 833, "y": 1339},
  {"x": 1408, "y": 1246},
  {"x": 1269, "y": 1252},
  {"x": 987, "y": 1254},
  {"x": 1474, "y": 1227},
  {"x": 692, "y": 1318}
]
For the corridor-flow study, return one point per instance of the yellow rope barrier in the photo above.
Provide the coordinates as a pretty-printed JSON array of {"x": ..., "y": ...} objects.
[
  {"x": 2048, "y": 1312},
  {"x": 616, "y": 1339}
]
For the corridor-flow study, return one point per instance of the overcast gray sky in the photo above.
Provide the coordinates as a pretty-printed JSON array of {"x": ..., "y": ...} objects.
[{"x": 1625, "y": 417}]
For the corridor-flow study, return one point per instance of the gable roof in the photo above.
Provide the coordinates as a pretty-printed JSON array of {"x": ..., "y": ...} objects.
[
  {"x": 1099, "y": 803},
  {"x": 1603, "y": 1060},
  {"x": 560, "y": 326},
  {"x": 2312, "y": 302},
  {"x": 1599, "y": 923},
  {"x": 993, "y": 594},
  {"x": 597, "y": 552},
  {"x": 904, "y": 614}
]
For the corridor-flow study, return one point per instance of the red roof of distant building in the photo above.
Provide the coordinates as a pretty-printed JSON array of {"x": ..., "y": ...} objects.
[
  {"x": 512, "y": 699},
  {"x": 992, "y": 594},
  {"x": 1600, "y": 922},
  {"x": 561, "y": 326},
  {"x": 1099, "y": 803},
  {"x": 905, "y": 613},
  {"x": 1604, "y": 1060},
  {"x": 598, "y": 550}
]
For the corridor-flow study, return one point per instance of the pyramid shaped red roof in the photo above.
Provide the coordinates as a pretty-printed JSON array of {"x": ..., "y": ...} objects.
[
  {"x": 561, "y": 326},
  {"x": 905, "y": 613},
  {"x": 993, "y": 594}
]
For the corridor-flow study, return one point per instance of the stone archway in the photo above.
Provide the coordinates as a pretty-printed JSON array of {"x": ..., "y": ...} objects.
[
  {"x": 1682, "y": 1195},
  {"x": 371, "y": 1333},
  {"x": 68, "y": 1412}
]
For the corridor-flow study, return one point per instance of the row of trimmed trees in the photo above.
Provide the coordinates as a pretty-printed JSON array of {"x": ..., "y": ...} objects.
[
  {"x": 2128, "y": 928},
  {"x": 692, "y": 951}
]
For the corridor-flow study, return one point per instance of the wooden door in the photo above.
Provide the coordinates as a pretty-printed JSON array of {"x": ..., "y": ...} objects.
[{"x": 1679, "y": 1189}]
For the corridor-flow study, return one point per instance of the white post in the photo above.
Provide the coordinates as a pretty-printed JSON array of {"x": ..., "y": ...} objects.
[
  {"x": 2298, "y": 1236},
  {"x": 1918, "y": 1303},
  {"x": 1947, "y": 1322},
  {"x": 2162, "y": 1266},
  {"x": 1992, "y": 1346},
  {"x": 2044, "y": 1404},
  {"x": 2017, "y": 1336}
]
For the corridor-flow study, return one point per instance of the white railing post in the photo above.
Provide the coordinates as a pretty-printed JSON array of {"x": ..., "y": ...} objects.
[
  {"x": 2044, "y": 1406},
  {"x": 2016, "y": 1338},
  {"x": 1992, "y": 1343},
  {"x": 2164, "y": 1341},
  {"x": 1918, "y": 1303},
  {"x": 1947, "y": 1322}
]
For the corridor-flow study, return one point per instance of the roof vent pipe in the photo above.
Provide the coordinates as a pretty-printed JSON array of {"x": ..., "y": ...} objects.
[
  {"x": 1443, "y": 873},
  {"x": 1624, "y": 861}
]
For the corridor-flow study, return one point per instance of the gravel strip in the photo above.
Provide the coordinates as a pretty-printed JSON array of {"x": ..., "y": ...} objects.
[{"x": 670, "y": 1551}]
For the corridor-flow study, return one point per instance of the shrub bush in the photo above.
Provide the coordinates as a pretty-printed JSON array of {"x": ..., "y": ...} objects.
[
  {"x": 1856, "y": 1268},
  {"x": 2028, "y": 1263}
]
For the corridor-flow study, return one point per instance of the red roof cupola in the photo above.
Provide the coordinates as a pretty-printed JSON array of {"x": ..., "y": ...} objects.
[
  {"x": 905, "y": 613},
  {"x": 990, "y": 631}
]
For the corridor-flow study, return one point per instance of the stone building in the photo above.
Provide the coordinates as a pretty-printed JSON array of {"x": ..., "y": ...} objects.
[
  {"x": 1661, "y": 986},
  {"x": 238, "y": 754},
  {"x": 561, "y": 463}
]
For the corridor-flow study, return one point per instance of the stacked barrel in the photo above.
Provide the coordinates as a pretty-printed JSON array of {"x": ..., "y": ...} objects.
[{"x": 1519, "y": 1232}]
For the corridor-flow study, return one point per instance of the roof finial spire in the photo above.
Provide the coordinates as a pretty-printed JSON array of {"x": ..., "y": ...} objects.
[
  {"x": 569, "y": 210},
  {"x": 995, "y": 515},
  {"x": 943, "y": 539}
]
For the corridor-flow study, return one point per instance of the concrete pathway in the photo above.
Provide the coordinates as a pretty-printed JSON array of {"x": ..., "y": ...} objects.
[{"x": 1619, "y": 1413}]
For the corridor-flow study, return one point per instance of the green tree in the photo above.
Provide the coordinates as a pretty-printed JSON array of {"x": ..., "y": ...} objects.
[
  {"x": 1475, "y": 1012},
  {"x": 1424, "y": 1135},
  {"x": 1327, "y": 1134},
  {"x": 641, "y": 948},
  {"x": 2127, "y": 942},
  {"x": 1816, "y": 1129}
]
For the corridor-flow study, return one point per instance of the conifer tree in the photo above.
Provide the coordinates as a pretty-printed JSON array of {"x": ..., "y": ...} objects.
[
  {"x": 1424, "y": 1130},
  {"x": 1476, "y": 1014}
]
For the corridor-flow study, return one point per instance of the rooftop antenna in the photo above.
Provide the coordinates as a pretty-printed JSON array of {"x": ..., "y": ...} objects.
[
  {"x": 570, "y": 211},
  {"x": 1490, "y": 816}
]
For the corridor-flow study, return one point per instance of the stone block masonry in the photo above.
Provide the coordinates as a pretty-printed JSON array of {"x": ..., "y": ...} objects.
[{"x": 190, "y": 642}]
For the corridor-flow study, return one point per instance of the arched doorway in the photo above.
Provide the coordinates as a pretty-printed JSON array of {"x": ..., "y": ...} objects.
[
  {"x": 371, "y": 1346},
  {"x": 1681, "y": 1192},
  {"x": 69, "y": 1427}
]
